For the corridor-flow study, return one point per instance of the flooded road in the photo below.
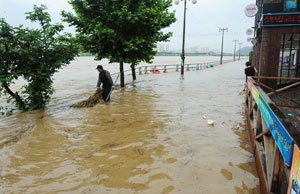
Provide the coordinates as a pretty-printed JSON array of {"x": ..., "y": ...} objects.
[{"x": 153, "y": 137}]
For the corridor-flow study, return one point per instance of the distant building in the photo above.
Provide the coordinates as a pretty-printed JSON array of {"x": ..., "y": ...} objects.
[
  {"x": 198, "y": 49},
  {"x": 162, "y": 48},
  {"x": 216, "y": 51},
  {"x": 276, "y": 47},
  {"x": 167, "y": 48}
]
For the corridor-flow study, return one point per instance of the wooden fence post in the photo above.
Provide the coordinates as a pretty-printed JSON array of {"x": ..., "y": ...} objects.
[
  {"x": 251, "y": 107},
  {"x": 259, "y": 128}
]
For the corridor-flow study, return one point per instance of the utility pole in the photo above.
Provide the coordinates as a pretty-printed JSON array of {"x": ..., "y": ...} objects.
[
  {"x": 223, "y": 30},
  {"x": 240, "y": 44},
  {"x": 235, "y": 41}
]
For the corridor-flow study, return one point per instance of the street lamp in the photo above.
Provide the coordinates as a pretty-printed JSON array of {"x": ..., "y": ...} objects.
[
  {"x": 183, "y": 36},
  {"x": 222, "y": 29}
]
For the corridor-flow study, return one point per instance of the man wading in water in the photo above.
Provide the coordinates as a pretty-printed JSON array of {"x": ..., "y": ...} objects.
[{"x": 107, "y": 83}]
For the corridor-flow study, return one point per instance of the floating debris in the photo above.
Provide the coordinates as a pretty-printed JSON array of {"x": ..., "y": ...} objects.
[
  {"x": 236, "y": 127},
  {"x": 210, "y": 122},
  {"x": 290, "y": 114},
  {"x": 91, "y": 101},
  {"x": 136, "y": 168}
]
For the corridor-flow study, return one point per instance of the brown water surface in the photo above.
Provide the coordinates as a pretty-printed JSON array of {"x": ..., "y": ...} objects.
[{"x": 153, "y": 137}]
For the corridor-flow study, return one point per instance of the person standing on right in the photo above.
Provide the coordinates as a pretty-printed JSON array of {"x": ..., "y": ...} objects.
[
  {"x": 107, "y": 83},
  {"x": 249, "y": 70}
]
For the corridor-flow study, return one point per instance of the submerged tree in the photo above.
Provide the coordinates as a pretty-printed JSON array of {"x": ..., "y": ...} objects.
[
  {"x": 124, "y": 31},
  {"x": 35, "y": 55},
  {"x": 9, "y": 56}
]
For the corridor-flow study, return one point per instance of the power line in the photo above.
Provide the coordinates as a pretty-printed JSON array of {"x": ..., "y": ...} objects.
[
  {"x": 206, "y": 34},
  {"x": 210, "y": 34},
  {"x": 193, "y": 16}
]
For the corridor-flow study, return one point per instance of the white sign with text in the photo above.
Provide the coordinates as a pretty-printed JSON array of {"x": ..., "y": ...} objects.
[{"x": 251, "y": 10}]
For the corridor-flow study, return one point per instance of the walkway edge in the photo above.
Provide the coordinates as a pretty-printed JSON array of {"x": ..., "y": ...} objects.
[{"x": 259, "y": 167}]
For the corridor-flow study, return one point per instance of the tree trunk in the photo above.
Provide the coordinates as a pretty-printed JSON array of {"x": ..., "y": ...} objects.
[
  {"x": 18, "y": 99},
  {"x": 133, "y": 71},
  {"x": 122, "y": 75},
  {"x": 37, "y": 99}
]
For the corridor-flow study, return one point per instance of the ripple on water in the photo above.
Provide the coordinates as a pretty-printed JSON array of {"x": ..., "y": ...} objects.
[{"x": 151, "y": 138}]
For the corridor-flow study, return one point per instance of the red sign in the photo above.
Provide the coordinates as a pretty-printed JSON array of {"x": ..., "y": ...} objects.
[{"x": 281, "y": 19}]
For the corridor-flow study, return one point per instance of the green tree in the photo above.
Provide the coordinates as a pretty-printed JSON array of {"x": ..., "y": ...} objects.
[
  {"x": 124, "y": 31},
  {"x": 35, "y": 55},
  {"x": 9, "y": 55},
  {"x": 250, "y": 56}
]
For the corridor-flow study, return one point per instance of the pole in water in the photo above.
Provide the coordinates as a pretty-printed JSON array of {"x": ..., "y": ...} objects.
[
  {"x": 108, "y": 95},
  {"x": 111, "y": 89}
]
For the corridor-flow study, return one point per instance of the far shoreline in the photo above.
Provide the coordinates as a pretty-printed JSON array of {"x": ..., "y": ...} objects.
[{"x": 173, "y": 54}]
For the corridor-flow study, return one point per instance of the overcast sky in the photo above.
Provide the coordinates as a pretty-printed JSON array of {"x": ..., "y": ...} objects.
[{"x": 203, "y": 20}]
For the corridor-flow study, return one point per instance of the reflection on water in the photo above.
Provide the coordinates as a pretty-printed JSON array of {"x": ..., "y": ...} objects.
[{"x": 152, "y": 138}]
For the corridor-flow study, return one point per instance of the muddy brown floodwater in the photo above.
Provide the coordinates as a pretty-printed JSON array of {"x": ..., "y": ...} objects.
[{"x": 153, "y": 137}]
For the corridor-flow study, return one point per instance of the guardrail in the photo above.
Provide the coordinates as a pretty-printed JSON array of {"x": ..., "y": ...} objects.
[{"x": 173, "y": 67}]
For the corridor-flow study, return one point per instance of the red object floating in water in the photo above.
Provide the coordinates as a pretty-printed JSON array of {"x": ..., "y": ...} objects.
[
  {"x": 236, "y": 127},
  {"x": 156, "y": 71}
]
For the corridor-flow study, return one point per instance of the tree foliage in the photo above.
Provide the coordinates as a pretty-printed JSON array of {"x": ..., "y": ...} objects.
[
  {"x": 124, "y": 31},
  {"x": 35, "y": 55}
]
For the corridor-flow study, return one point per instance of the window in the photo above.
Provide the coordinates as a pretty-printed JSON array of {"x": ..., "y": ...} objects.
[
  {"x": 289, "y": 61},
  {"x": 290, "y": 5}
]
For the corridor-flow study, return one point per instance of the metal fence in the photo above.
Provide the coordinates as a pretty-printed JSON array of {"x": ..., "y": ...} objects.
[{"x": 168, "y": 68}]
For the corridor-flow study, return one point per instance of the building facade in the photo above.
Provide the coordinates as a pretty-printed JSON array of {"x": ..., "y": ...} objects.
[{"x": 276, "y": 45}]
